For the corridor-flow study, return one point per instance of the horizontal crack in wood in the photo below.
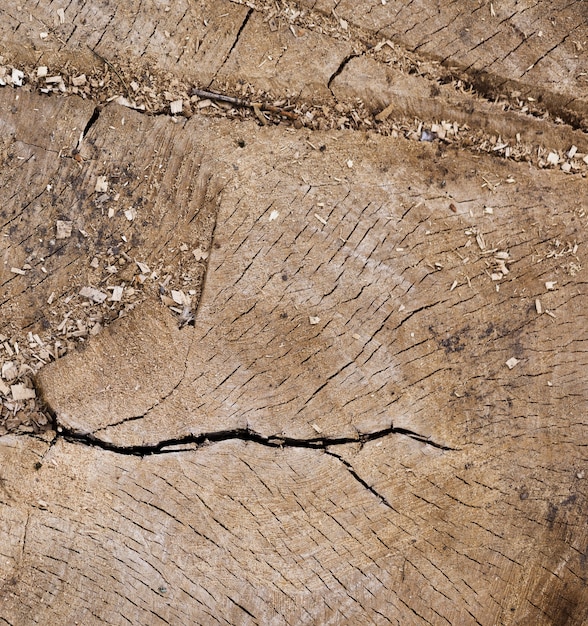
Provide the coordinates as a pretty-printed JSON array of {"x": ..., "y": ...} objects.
[{"x": 242, "y": 434}]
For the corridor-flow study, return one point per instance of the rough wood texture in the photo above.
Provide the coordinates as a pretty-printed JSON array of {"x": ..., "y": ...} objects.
[
  {"x": 380, "y": 86},
  {"x": 165, "y": 181},
  {"x": 536, "y": 48},
  {"x": 338, "y": 438},
  {"x": 391, "y": 339},
  {"x": 192, "y": 38},
  {"x": 435, "y": 368}
]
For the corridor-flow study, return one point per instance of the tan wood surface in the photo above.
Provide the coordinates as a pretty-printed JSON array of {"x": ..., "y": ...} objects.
[{"x": 371, "y": 407}]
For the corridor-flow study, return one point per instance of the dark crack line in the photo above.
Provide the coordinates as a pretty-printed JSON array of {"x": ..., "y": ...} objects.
[
  {"x": 238, "y": 36},
  {"x": 341, "y": 67},
  {"x": 241, "y": 434},
  {"x": 93, "y": 119},
  {"x": 360, "y": 480},
  {"x": 323, "y": 444}
]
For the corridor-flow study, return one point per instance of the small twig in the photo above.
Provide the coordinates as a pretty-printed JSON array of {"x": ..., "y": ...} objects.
[
  {"x": 238, "y": 102},
  {"x": 111, "y": 66}
]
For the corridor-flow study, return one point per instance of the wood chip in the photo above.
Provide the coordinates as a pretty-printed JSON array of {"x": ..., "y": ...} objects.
[
  {"x": 143, "y": 267},
  {"x": 314, "y": 320},
  {"x": 131, "y": 214},
  {"x": 179, "y": 297},
  {"x": 550, "y": 285},
  {"x": 9, "y": 370},
  {"x": 538, "y": 306},
  {"x": 63, "y": 229},
  {"x": 273, "y": 216},
  {"x": 4, "y": 388},
  {"x": 101, "y": 184},
  {"x": 117, "y": 293},
  {"x": 176, "y": 107},
  {"x": 17, "y": 270},
  {"x": 200, "y": 254},
  {"x": 17, "y": 77},
  {"x": 93, "y": 294},
  {"x": 512, "y": 362},
  {"x": 167, "y": 300},
  {"x": 385, "y": 113},
  {"x": 322, "y": 220},
  {"x": 21, "y": 392}
]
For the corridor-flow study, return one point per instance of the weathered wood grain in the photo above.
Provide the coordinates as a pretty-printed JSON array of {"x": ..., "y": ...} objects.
[
  {"x": 536, "y": 48},
  {"x": 33, "y": 140},
  {"x": 249, "y": 50},
  {"x": 281, "y": 63},
  {"x": 166, "y": 183},
  {"x": 379, "y": 86},
  {"x": 190, "y": 38},
  {"x": 392, "y": 338},
  {"x": 338, "y": 439},
  {"x": 491, "y": 530},
  {"x": 236, "y": 532}
]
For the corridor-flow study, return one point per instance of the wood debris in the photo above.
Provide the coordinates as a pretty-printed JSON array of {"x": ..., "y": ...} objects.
[
  {"x": 512, "y": 362},
  {"x": 21, "y": 392},
  {"x": 176, "y": 107},
  {"x": 101, "y": 184},
  {"x": 117, "y": 293},
  {"x": 200, "y": 254},
  {"x": 383, "y": 115},
  {"x": 17, "y": 77},
  {"x": 63, "y": 229},
  {"x": 179, "y": 297},
  {"x": 238, "y": 102},
  {"x": 93, "y": 294},
  {"x": 131, "y": 213}
]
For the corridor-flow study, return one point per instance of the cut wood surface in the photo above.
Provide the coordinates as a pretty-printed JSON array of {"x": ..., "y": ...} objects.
[
  {"x": 315, "y": 368},
  {"x": 536, "y": 48}
]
